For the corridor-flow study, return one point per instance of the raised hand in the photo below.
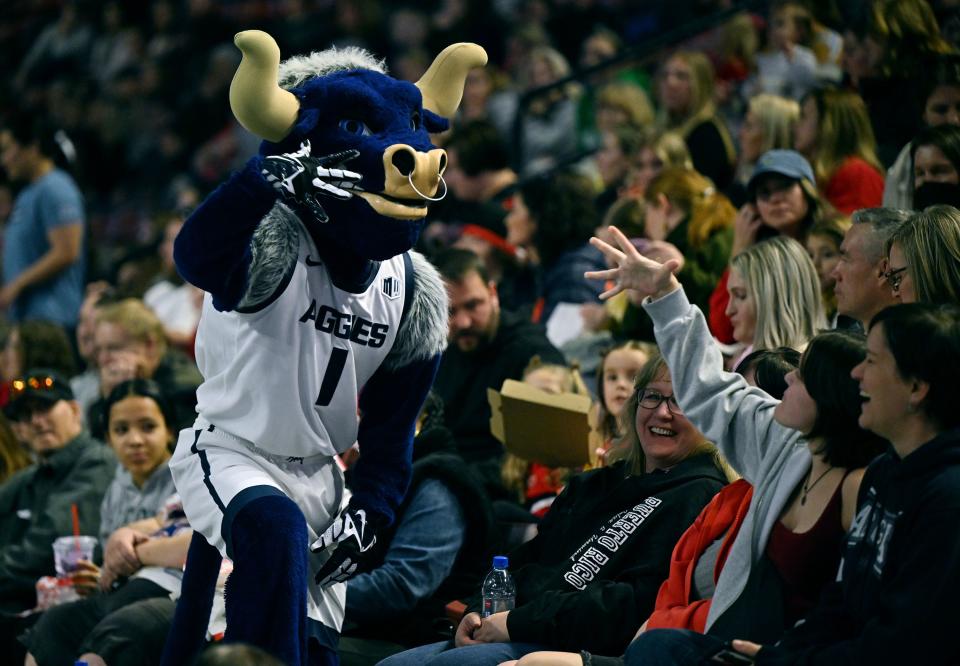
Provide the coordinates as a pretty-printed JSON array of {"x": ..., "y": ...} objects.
[
  {"x": 631, "y": 270},
  {"x": 299, "y": 177}
]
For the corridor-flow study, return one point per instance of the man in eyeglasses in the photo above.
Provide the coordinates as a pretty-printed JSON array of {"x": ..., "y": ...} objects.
[
  {"x": 35, "y": 504},
  {"x": 862, "y": 287}
]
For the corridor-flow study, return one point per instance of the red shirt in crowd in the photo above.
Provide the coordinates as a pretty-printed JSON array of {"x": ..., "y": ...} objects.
[{"x": 854, "y": 185}]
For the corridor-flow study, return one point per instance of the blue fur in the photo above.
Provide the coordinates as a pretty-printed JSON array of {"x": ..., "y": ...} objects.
[
  {"x": 266, "y": 594},
  {"x": 188, "y": 631},
  {"x": 212, "y": 250},
  {"x": 382, "y": 472}
]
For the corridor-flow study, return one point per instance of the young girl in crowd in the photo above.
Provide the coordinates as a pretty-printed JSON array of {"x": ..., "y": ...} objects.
[
  {"x": 774, "y": 296},
  {"x": 685, "y": 91},
  {"x": 835, "y": 134},
  {"x": 533, "y": 484},
  {"x": 800, "y": 454},
  {"x": 619, "y": 366},
  {"x": 146, "y": 536},
  {"x": 782, "y": 200},
  {"x": 823, "y": 246}
]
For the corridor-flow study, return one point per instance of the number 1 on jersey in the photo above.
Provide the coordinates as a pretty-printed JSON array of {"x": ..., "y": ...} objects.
[{"x": 338, "y": 359}]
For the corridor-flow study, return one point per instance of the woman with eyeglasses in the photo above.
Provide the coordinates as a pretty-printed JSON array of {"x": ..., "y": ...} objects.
[
  {"x": 924, "y": 257},
  {"x": 591, "y": 575},
  {"x": 801, "y": 454},
  {"x": 782, "y": 200}
]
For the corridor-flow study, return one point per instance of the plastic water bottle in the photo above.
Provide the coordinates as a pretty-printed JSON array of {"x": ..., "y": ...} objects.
[{"x": 499, "y": 592}]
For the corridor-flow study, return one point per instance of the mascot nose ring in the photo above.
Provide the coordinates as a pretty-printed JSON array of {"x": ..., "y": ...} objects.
[{"x": 440, "y": 198}]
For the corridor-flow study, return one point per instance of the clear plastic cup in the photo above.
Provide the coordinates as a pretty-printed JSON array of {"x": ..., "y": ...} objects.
[{"x": 69, "y": 550}]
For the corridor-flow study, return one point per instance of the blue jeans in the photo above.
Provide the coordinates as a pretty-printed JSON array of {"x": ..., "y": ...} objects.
[
  {"x": 677, "y": 647},
  {"x": 445, "y": 654}
]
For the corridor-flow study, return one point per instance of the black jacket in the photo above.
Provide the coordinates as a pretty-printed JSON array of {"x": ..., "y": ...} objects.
[
  {"x": 896, "y": 598},
  {"x": 35, "y": 510},
  {"x": 591, "y": 575},
  {"x": 463, "y": 380}
]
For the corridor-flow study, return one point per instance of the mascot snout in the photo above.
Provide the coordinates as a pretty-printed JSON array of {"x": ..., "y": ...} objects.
[{"x": 410, "y": 177}]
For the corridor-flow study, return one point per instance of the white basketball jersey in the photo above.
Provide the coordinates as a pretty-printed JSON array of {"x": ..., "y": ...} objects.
[{"x": 287, "y": 376}]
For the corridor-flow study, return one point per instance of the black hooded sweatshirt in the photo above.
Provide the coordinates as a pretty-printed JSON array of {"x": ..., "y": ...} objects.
[
  {"x": 591, "y": 575},
  {"x": 895, "y": 601}
]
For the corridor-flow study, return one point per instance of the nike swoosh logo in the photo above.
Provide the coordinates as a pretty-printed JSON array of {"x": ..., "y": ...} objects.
[{"x": 311, "y": 262}]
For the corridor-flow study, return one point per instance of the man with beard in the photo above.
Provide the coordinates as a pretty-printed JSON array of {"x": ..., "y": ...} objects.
[{"x": 486, "y": 346}]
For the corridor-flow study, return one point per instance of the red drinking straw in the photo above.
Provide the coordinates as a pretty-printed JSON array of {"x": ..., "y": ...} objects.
[{"x": 76, "y": 525}]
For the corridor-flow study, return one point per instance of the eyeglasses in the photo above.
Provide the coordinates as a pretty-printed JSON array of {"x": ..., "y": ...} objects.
[
  {"x": 895, "y": 277},
  {"x": 650, "y": 399}
]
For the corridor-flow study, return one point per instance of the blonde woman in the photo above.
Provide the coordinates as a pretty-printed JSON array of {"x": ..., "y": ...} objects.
[
  {"x": 774, "y": 296},
  {"x": 924, "y": 257},
  {"x": 835, "y": 135},
  {"x": 686, "y": 94},
  {"x": 769, "y": 124}
]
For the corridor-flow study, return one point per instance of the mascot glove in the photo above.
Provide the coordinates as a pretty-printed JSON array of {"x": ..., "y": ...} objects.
[
  {"x": 299, "y": 178},
  {"x": 352, "y": 535}
]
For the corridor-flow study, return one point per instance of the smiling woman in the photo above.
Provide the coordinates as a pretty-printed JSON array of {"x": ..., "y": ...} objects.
[{"x": 591, "y": 574}]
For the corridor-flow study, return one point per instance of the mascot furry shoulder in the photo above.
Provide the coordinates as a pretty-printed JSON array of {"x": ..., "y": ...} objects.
[{"x": 320, "y": 328}]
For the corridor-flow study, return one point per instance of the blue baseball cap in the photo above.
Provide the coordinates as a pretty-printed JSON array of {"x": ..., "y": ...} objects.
[{"x": 788, "y": 163}]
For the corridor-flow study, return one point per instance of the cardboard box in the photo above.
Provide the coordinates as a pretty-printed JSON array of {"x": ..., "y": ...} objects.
[{"x": 557, "y": 430}]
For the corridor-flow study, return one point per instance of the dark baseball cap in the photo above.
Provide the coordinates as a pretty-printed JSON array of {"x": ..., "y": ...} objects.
[
  {"x": 38, "y": 387},
  {"x": 788, "y": 163}
]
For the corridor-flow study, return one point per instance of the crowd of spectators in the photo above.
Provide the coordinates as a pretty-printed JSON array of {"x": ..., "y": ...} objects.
[{"x": 756, "y": 228}]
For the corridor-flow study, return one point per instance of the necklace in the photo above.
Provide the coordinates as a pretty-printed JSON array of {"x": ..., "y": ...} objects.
[{"x": 807, "y": 489}]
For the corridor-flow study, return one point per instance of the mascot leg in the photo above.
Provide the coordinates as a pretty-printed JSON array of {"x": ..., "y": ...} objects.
[
  {"x": 189, "y": 630},
  {"x": 266, "y": 596}
]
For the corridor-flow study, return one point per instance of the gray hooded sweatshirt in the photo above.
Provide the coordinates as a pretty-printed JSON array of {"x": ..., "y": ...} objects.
[{"x": 738, "y": 418}]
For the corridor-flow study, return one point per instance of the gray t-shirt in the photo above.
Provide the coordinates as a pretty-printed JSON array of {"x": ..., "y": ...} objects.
[{"x": 124, "y": 503}]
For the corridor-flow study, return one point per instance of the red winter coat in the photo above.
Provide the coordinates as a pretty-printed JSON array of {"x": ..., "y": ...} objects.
[{"x": 723, "y": 515}]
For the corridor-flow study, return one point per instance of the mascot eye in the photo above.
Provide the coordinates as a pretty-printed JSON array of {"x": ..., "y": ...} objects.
[
  {"x": 415, "y": 121},
  {"x": 357, "y": 127}
]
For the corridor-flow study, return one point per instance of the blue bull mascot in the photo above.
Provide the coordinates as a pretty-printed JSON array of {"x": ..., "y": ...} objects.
[{"x": 320, "y": 328}]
